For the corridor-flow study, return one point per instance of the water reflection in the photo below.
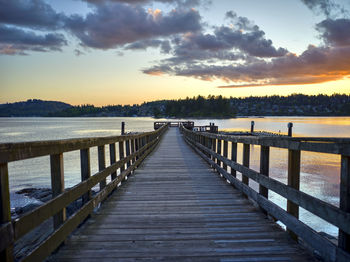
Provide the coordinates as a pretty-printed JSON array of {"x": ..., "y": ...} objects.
[{"x": 319, "y": 172}]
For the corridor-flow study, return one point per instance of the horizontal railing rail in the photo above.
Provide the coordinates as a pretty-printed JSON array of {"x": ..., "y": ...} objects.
[
  {"x": 187, "y": 124},
  {"x": 137, "y": 147},
  {"x": 214, "y": 149}
]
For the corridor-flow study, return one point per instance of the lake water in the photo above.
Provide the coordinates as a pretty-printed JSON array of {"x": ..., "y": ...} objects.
[{"x": 320, "y": 173}]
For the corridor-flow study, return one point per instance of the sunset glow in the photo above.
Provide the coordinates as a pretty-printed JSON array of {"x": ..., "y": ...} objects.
[{"x": 115, "y": 52}]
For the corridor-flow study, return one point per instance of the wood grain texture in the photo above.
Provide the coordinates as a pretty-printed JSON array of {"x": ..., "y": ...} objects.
[
  {"x": 325, "y": 248},
  {"x": 326, "y": 211},
  {"x": 176, "y": 208}
]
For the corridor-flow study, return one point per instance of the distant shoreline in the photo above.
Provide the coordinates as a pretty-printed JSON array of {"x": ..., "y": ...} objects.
[
  {"x": 211, "y": 107},
  {"x": 172, "y": 118}
]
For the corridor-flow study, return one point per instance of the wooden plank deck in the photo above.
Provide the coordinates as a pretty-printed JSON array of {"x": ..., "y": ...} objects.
[{"x": 175, "y": 208}]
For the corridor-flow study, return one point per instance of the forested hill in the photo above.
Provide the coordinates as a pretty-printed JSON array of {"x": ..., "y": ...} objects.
[
  {"x": 32, "y": 107},
  {"x": 211, "y": 106}
]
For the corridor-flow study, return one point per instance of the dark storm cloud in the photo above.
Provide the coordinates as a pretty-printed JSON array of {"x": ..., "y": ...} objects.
[
  {"x": 327, "y": 7},
  {"x": 18, "y": 41},
  {"x": 34, "y": 13},
  {"x": 183, "y": 3},
  {"x": 113, "y": 25},
  {"x": 225, "y": 44},
  {"x": 251, "y": 42},
  {"x": 143, "y": 45},
  {"x": 315, "y": 65},
  {"x": 335, "y": 32}
]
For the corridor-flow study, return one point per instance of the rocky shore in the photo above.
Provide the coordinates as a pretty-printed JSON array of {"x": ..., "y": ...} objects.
[{"x": 35, "y": 198}]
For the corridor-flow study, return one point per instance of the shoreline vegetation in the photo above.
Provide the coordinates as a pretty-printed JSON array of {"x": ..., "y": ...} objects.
[{"x": 196, "y": 107}]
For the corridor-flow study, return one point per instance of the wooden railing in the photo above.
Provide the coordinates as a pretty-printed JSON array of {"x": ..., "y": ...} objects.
[
  {"x": 187, "y": 124},
  {"x": 214, "y": 149},
  {"x": 137, "y": 147}
]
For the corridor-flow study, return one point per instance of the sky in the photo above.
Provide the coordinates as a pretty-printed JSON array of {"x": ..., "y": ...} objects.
[{"x": 105, "y": 52}]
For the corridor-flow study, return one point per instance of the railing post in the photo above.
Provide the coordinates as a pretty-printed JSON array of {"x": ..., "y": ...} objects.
[
  {"x": 6, "y": 255},
  {"x": 252, "y": 126},
  {"x": 225, "y": 153},
  {"x": 214, "y": 148},
  {"x": 85, "y": 171},
  {"x": 290, "y": 129},
  {"x": 344, "y": 204},
  {"x": 218, "y": 151},
  {"x": 246, "y": 161},
  {"x": 127, "y": 149},
  {"x": 101, "y": 163},
  {"x": 294, "y": 182},
  {"x": 137, "y": 146},
  {"x": 121, "y": 154},
  {"x": 57, "y": 185},
  {"x": 132, "y": 150},
  {"x": 264, "y": 169},
  {"x": 209, "y": 146},
  {"x": 123, "y": 128},
  {"x": 112, "y": 158},
  {"x": 233, "y": 157}
]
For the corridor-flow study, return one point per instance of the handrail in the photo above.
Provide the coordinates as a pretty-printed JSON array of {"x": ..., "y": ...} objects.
[
  {"x": 214, "y": 149},
  {"x": 314, "y": 144},
  {"x": 137, "y": 146}
]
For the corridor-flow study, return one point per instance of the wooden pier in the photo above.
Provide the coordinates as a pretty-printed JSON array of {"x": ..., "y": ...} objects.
[{"x": 181, "y": 201}]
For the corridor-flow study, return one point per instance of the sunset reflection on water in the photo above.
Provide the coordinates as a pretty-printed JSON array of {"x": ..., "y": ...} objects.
[{"x": 320, "y": 173}]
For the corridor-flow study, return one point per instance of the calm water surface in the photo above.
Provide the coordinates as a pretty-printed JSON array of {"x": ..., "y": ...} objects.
[{"x": 319, "y": 172}]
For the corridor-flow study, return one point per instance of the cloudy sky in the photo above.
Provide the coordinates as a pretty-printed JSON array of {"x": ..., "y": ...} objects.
[{"x": 124, "y": 52}]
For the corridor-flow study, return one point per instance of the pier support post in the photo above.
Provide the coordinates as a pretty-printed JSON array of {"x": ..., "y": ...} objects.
[
  {"x": 6, "y": 255},
  {"x": 252, "y": 123},
  {"x": 210, "y": 146},
  {"x": 214, "y": 148},
  {"x": 137, "y": 146},
  {"x": 123, "y": 128},
  {"x": 294, "y": 182},
  {"x": 264, "y": 169},
  {"x": 218, "y": 151},
  {"x": 246, "y": 161},
  {"x": 112, "y": 158},
  {"x": 233, "y": 157},
  {"x": 344, "y": 238},
  {"x": 57, "y": 185},
  {"x": 85, "y": 171},
  {"x": 102, "y": 164},
  {"x": 290, "y": 129},
  {"x": 127, "y": 149},
  {"x": 121, "y": 154},
  {"x": 225, "y": 154}
]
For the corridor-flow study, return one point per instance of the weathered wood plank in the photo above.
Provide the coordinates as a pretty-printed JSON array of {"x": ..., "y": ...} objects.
[
  {"x": 322, "y": 209},
  {"x": 322, "y": 145},
  {"x": 181, "y": 215},
  {"x": 34, "y": 218},
  {"x": 327, "y": 250},
  {"x": 23, "y": 150}
]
